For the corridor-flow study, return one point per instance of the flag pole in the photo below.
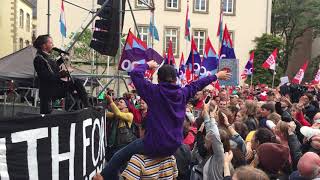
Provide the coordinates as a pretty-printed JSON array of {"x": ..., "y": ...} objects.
[
  {"x": 251, "y": 81},
  {"x": 153, "y": 27},
  {"x": 221, "y": 14},
  {"x": 186, "y": 38},
  {"x": 274, "y": 73}
]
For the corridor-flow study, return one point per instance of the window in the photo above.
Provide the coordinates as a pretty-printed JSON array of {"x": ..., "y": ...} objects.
[
  {"x": 28, "y": 22},
  {"x": 229, "y": 7},
  {"x": 200, "y": 38},
  {"x": 20, "y": 43},
  {"x": 172, "y": 5},
  {"x": 27, "y": 43},
  {"x": 200, "y": 5},
  {"x": 173, "y": 35},
  {"x": 21, "y": 18},
  {"x": 139, "y": 3},
  {"x": 144, "y": 32}
]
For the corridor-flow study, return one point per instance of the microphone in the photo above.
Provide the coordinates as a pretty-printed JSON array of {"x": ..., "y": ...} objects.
[{"x": 60, "y": 51}]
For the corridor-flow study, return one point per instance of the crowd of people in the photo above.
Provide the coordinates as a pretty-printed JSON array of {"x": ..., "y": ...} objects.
[
  {"x": 167, "y": 132},
  {"x": 163, "y": 131}
]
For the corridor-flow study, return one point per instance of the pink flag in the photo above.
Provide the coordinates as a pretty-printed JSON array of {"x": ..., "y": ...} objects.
[
  {"x": 300, "y": 74},
  {"x": 270, "y": 63},
  {"x": 317, "y": 78},
  {"x": 170, "y": 55}
]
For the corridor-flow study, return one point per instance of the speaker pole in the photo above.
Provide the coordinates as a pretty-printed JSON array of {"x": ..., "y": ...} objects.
[
  {"x": 119, "y": 49},
  {"x": 48, "y": 21}
]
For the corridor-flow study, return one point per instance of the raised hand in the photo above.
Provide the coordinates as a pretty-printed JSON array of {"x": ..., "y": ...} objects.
[
  {"x": 109, "y": 99},
  {"x": 228, "y": 157},
  {"x": 152, "y": 64},
  {"x": 223, "y": 75}
]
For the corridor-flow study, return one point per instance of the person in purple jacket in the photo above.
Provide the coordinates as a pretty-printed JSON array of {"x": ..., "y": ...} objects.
[{"x": 166, "y": 113}]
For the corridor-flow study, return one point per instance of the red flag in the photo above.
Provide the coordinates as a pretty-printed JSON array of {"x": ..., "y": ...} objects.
[
  {"x": 317, "y": 78},
  {"x": 226, "y": 49},
  {"x": 270, "y": 63},
  {"x": 193, "y": 48},
  {"x": 217, "y": 85},
  {"x": 300, "y": 74},
  {"x": 181, "y": 60},
  {"x": 171, "y": 59},
  {"x": 149, "y": 73},
  {"x": 226, "y": 35},
  {"x": 188, "y": 76}
]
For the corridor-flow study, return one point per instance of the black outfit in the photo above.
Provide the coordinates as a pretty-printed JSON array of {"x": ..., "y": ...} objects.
[
  {"x": 51, "y": 87},
  {"x": 183, "y": 158},
  {"x": 251, "y": 123},
  {"x": 310, "y": 111},
  {"x": 295, "y": 150}
]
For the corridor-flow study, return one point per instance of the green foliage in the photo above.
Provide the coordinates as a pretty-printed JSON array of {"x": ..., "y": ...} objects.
[
  {"x": 312, "y": 69},
  {"x": 291, "y": 18},
  {"x": 264, "y": 47},
  {"x": 81, "y": 49}
]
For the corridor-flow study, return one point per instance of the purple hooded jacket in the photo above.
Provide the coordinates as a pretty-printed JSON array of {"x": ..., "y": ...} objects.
[{"x": 166, "y": 111}]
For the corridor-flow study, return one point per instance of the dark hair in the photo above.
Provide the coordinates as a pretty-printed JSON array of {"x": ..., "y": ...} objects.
[
  {"x": 238, "y": 159},
  {"x": 41, "y": 40},
  {"x": 264, "y": 135},
  {"x": 242, "y": 129},
  {"x": 167, "y": 73},
  {"x": 268, "y": 107},
  {"x": 225, "y": 139},
  {"x": 199, "y": 122},
  {"x": 309, "y": 96},
  {"x": 270, "y": 93},
  {"x": 233, "y": 109}
]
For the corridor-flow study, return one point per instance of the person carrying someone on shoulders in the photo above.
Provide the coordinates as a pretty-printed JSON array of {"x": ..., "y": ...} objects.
[{"x": 166, "y": 113}]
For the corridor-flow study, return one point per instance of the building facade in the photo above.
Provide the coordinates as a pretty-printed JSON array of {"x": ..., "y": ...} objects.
[
  {"x": 15, "y": 25},
  {"x": 245, "y": 20},
  {"x": 244, "y": 24}
]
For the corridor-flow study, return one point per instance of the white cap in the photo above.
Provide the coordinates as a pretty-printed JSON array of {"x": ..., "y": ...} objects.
[
  {"x": 309, "y": 132},
  {"x": 270, "y": 124}
]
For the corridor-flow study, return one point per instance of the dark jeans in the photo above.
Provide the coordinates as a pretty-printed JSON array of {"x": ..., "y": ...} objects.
[
  {"x": 111, "y": 170},
  {"x": 59, "y": 91}
]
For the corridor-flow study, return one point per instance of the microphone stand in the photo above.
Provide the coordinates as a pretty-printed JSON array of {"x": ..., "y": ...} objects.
[{"x": 65, "y": 65}]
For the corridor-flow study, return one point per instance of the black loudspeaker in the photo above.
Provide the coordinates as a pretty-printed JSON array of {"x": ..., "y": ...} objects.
[{"x": 105, "y": 39}]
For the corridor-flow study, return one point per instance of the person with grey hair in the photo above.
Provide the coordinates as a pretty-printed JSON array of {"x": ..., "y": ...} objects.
[{"x": 309, "y": 165}]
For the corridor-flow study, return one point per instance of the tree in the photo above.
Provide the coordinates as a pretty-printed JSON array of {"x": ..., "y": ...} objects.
[
  {"x": 291, "y": 19},
  {"x": 81, "y": 49},
  {"x": 264, "y": 47}
]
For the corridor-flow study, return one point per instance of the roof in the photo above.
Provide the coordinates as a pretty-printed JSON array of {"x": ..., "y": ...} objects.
[
  {"x": 28, "y": 3},
  {"x": 34, "y": 7},
  {"x": 18, "y": 66}
]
